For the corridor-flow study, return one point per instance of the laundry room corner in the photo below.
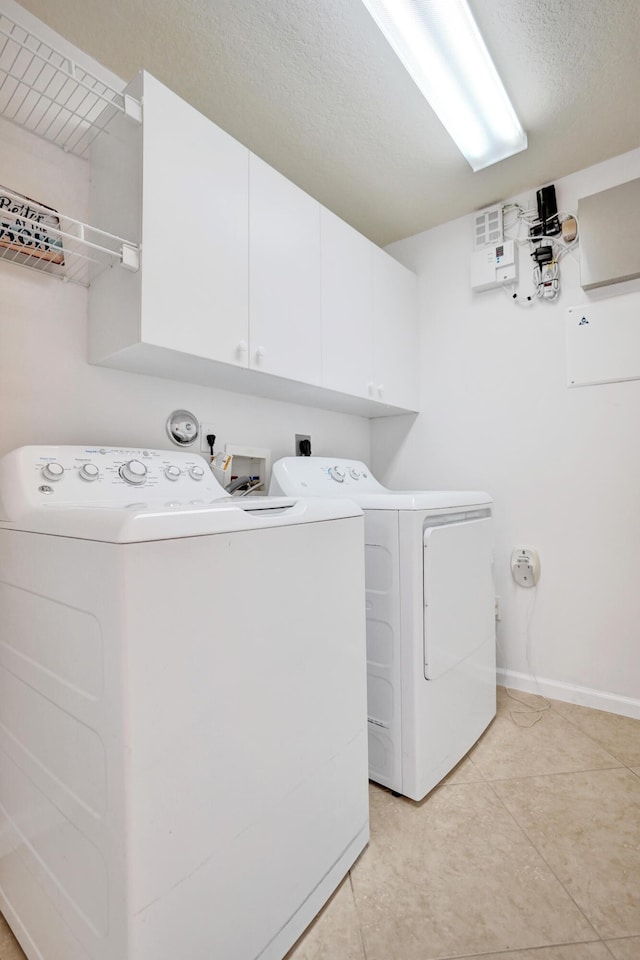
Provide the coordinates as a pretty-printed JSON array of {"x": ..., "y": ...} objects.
[{"x": 562, "y": 463}]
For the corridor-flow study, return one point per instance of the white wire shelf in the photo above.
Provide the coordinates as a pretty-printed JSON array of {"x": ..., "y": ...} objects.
[
  {"x": 51, "y": 95},
  {"x": 38, "y": 237},
  {"x": 55, "y": 98}
]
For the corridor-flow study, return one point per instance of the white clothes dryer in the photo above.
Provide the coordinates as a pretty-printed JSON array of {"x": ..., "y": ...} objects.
[
  {"x": 430, "y": 608},
  {"x": 183, "y": 758}
]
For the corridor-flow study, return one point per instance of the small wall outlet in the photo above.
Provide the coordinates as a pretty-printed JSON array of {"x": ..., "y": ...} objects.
[
  {"x": 207, "y": 431},
  {"x": 525, "y": 566},
  {"x": 303, "y": 445}
]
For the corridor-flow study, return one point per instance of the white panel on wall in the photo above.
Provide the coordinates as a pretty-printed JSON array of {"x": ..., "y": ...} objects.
[
  {"x": 603, "y": 341},
  {"x": 609, "y": 251}
]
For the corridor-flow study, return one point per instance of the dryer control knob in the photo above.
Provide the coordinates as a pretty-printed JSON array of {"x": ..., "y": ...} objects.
[
  {"x": 53, "y": 471},
  {"x": 89, "y": 471},
  {"x": 355, "y": 473},
  {"x": 133, "y": 471},
  {"x": 172, "y": 472},
  {"x": 196, "y": 473},
  {"x": 337, "y": 474}
]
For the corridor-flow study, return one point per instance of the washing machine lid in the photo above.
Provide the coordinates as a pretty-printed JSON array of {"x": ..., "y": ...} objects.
[
  {"x": 142, "y": 522},
  {"x": 341, "y": 478},
  {"x": 124, "y": 495}
]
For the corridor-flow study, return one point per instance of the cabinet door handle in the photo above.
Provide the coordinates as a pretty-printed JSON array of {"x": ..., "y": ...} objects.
[
  {"x": 370, "y": 387},
  {"x": 242, "y": 347},
  {"x": 380, "y": 389},
  {"x": 260, "y": 353}
]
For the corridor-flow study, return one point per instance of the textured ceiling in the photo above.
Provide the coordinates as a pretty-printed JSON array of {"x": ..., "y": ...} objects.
[{"x": 312, "y": 87}]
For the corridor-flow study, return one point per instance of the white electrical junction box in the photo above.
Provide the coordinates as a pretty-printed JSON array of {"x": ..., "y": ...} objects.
[{"x": 494, "y": 265}]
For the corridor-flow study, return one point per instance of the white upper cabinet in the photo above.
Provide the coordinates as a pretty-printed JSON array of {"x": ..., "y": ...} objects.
[
  {"x": 369, "y": 319},
  {"x": 395, "y": 332},
  {"x": 195, "y": 195},
  {"x": 347, "y": 307},
  {"x": 182, "y": 185},
  {"x": 284, "y": 277},
  {"x": 230, "y": 275},
  {"x": 242, "y": 273}
]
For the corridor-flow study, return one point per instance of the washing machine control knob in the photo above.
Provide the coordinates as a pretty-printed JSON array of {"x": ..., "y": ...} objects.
[
  {"x": 196, "y": 473},
  {"x": 53, "y": 471},
  {"x": 172, "y": 472},
  {"x": 337, "y": 474},
  {"x": 355, "y": 473},
  {"x": 133, "y": 471},
  {"x": 89, "y": 471}
]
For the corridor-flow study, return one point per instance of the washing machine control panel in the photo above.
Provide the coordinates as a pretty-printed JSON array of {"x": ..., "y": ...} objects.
[
  {"x": 133, "y": 471},
  {"x": 79, "y": 475}
]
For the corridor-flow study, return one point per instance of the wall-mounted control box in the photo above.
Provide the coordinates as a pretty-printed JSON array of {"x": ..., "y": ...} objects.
[{"x": 494, "y": 265}]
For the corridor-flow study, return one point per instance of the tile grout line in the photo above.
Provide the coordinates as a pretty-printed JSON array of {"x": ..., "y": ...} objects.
[
  {"x": 592, "y": 738},
  {"x": 595, "y": 938},
  {"x": 509, "y": 952},
  {"x": 544, "y": 859},
  {"x": 608, "y": 948},
  {"x": 355, "y": 907},
  {"x": 555, "y": 773}
]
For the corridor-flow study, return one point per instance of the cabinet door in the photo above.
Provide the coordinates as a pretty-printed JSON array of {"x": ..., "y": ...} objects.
[
  {"x": 195, "y": 190},
  {"x": 347, "y": 307},
  {"x": 395, "y": 332},
  {"x": 284, "y": 276}
]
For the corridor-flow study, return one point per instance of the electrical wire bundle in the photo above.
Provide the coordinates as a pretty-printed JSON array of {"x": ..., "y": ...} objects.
[{"x": 546, "y": 251}]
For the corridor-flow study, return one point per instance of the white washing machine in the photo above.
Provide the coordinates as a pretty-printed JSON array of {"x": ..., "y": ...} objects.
[
  {"x": 183, "y": 757},
  {"x": 431, "y": 660}
]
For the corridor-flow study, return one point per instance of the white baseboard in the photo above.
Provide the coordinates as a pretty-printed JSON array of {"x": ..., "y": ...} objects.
[{"x": 570, "y": 693}]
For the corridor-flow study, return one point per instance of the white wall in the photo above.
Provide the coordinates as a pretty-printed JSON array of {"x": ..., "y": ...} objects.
[
  {"x": 562, "y": 464},
  {"x": 50, "y": 394}
]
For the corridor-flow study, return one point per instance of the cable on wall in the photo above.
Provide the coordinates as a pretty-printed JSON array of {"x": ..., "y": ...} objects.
[
  {"x": 531, "y": 713},
  {"x": 549, "y": 236}
]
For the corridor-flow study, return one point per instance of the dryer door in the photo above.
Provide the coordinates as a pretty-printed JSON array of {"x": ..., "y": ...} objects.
[{"x": 458, "y": 592}]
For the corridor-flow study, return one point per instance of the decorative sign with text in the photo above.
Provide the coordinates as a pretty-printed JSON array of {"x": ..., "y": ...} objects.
[{"x": 26, "y": 228}]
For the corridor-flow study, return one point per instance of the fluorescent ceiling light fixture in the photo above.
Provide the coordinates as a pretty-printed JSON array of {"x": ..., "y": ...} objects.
[{"x": 439, "y": 43}]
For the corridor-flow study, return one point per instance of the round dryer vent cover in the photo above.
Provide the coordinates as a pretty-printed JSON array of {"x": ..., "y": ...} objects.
[{"x": 183, "y": 428}]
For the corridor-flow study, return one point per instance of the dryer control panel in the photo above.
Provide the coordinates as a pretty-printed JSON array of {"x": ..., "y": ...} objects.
[{"x": 323, "y": 477}]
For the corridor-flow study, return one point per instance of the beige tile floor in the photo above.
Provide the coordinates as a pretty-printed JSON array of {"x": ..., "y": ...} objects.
[{"x": 530, "y": 850}]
